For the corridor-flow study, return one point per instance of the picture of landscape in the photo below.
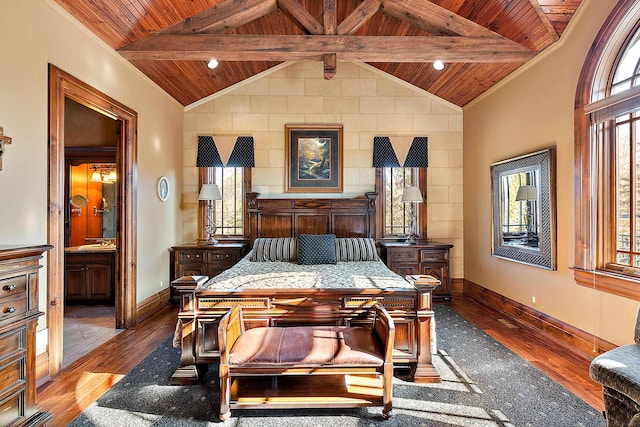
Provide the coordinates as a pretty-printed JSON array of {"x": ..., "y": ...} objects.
[{"x": 314, "y": 158}]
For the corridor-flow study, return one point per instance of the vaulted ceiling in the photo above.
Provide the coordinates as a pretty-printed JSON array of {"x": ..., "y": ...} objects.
[{"x": 480, "y": 41}]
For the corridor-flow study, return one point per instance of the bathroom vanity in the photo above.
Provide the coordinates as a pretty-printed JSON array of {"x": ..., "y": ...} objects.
[{"x": 89, "y": 273}]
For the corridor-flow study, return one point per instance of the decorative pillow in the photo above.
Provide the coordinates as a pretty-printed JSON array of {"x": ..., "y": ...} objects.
[
  {"x": 316, "y": 249},
  {"x": 274, "y": 249},
  {"x": 356, "y": 249}
]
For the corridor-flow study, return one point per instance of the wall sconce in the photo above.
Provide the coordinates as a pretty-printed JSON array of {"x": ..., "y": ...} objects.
[
  {"x": 105, "y": 174},
  {"x": 412, "y": 195},
  {"x": 3, "y": 141},
  {"x": 95, "y": 176},
  {"x": 210, "y": 193}
]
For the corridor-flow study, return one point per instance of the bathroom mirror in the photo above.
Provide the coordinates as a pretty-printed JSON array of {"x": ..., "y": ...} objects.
[
  {"x": 523, "y": 196},
  {"x": 93, "y": 203}
]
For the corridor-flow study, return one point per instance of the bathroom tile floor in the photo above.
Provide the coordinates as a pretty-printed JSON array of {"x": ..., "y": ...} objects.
[{"x": 85, "y": 328}]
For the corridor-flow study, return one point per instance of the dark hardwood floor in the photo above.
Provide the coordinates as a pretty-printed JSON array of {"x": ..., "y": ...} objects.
[{"x": 86, "y": 379}]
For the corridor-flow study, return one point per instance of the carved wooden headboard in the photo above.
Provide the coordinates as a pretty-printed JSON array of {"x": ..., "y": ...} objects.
[{"x": 353, "y": 217}]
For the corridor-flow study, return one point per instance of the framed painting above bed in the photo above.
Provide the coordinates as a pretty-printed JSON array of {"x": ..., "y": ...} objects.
[{"x": 313, "y": 158}]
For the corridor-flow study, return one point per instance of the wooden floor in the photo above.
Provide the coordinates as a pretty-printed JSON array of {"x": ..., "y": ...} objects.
[
  {"x": 89, "y": 377},
  {"x": 85, "y": 328}
]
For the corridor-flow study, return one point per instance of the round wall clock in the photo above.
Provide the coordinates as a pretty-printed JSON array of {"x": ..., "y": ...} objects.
[{"x": 163, "y": 188}]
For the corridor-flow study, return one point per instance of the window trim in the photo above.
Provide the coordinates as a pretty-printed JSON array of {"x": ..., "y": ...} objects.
[{"x": 589, "y": 249}]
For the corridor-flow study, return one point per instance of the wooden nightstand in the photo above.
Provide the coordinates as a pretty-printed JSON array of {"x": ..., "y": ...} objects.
[
  {"x": 192, "y": 259},
  {"x": 424, "y": 257}
]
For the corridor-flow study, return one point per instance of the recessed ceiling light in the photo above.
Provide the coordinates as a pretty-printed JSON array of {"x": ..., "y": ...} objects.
[
  {"x": 212, "y": 64},
  {"x": 438, "y": 65}
]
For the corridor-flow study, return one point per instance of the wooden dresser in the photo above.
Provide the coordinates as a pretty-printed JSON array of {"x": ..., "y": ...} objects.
[
  {"x": 19, "y": 314},
  {"x": 192, "y": 259},
  {"x": 424, "y": 257}
]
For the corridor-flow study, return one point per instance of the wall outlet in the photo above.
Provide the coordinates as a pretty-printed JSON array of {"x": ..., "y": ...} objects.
[
  {"x": 533, "y": 299},
  {"x": 161, "y": 283}
]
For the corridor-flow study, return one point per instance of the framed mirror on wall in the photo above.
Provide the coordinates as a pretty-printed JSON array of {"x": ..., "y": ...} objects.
[{"x": 524, "y": 209}]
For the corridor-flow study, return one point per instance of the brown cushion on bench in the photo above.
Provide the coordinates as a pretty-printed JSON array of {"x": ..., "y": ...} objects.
[{"x": 307, "y": 345}]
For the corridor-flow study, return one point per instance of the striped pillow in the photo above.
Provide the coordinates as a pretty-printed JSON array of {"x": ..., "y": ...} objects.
[
  {"x": 356, "y": 249},
  {"x": 274, "y": 249}
]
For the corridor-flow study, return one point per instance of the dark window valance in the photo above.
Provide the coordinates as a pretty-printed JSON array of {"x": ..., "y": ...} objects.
[
  {"x": 242, "y": 154},
  {"x": 386, "y": 155}
]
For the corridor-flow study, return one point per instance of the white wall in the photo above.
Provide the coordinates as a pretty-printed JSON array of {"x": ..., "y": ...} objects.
[
  {"x": 34, "y": 33},
  {"x": 530, "y": 111}
]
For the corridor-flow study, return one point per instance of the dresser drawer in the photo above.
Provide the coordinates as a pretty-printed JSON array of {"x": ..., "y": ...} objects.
[
  {"x": 12, "y": 374},
  {"x": 13, "y": 288},
  {"x": 185, "y": 257},
  {"x": 404, "y": 255},
  {"x": 223, "y": 257},
  {"x": 9, "y": 308},
  {"x": 12, "y": 407},
  {"x": 433, "y": 256},
  {"x": 13, "y": 343}
]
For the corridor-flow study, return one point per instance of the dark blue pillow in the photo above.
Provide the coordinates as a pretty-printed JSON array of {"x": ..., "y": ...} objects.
[{"x": 316, "y": 249}]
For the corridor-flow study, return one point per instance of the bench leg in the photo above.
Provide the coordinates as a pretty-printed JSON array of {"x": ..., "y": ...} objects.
[
  {"x": 387, "y": 391},
  {"x": 225, "y": 392}
]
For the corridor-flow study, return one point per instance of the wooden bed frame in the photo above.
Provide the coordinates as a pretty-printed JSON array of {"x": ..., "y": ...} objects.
[{"x": 201, "y": 310}]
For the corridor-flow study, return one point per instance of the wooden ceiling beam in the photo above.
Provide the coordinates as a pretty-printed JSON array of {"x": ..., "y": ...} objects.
[
  {"x": 330, "y": 65},
  {"x": 359, "y": 16},
  {"x": 330, "y": 21},
  {"x": 300, "y": 16},
  {"x": 329, "y": 16},
  {"x": 224, "y": 16},
  {"x": 434, "y": 19},
  {"x": 545, "y": 20},
  {"x": 232, "y": 47}
]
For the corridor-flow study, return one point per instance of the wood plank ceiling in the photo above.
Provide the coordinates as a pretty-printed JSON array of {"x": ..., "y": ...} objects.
[{"x": 480, "y": 41}]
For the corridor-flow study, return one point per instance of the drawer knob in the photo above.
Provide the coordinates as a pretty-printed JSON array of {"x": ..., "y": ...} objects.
[
  {"x": 10, "y": 310},
  {"x": 9, "y": 288}
]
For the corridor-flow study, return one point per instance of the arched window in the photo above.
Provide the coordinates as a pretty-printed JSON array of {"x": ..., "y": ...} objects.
[{"x": 607, "y": 152}]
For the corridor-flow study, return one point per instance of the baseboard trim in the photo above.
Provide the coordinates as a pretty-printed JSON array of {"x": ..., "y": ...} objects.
[
  {"x": 456, "y": 286},
  {"x": 571, "y": 336},
  {"x": 42, "y": 369},
  {"x": 152, "y": 304}
]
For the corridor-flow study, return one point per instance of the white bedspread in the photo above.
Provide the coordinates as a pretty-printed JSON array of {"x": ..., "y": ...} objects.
[{"x": 280, "y": 274}]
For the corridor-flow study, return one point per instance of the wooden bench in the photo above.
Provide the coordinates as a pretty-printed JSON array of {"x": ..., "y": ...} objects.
[{"x": 305, "y": 366}]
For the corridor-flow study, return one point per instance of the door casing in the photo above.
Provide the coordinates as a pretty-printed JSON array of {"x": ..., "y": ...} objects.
[{"x": 63, "y": 85}]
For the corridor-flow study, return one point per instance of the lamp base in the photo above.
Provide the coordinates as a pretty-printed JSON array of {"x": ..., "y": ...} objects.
[
  {"x": 411, "y": 240},
  {"x": 208, "y": 241}
]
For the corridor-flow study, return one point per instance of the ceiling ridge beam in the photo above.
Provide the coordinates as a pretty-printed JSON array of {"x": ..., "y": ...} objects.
[
  {"x": 359, "y": 16},
  {"x": 224, "y": 17},
  {"x": 434, "y": 19},
  {"x": 300, "y": 16},
  {"x": 237, "y": 47}
]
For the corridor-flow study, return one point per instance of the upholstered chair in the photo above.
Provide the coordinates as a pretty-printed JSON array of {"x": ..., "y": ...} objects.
[{"x": 618, "y": 371}]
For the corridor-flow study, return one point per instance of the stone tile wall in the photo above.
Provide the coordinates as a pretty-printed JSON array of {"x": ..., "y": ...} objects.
[{"x": 367, "y": 103}]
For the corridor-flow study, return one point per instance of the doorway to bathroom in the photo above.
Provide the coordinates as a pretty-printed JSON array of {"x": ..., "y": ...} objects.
[
  {"x": 94, "y": 257},
  {"x": 90, "y": 229}
]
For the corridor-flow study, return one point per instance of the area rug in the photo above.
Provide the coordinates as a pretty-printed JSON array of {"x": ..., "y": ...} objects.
[{"x": 483, "y": 384}]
